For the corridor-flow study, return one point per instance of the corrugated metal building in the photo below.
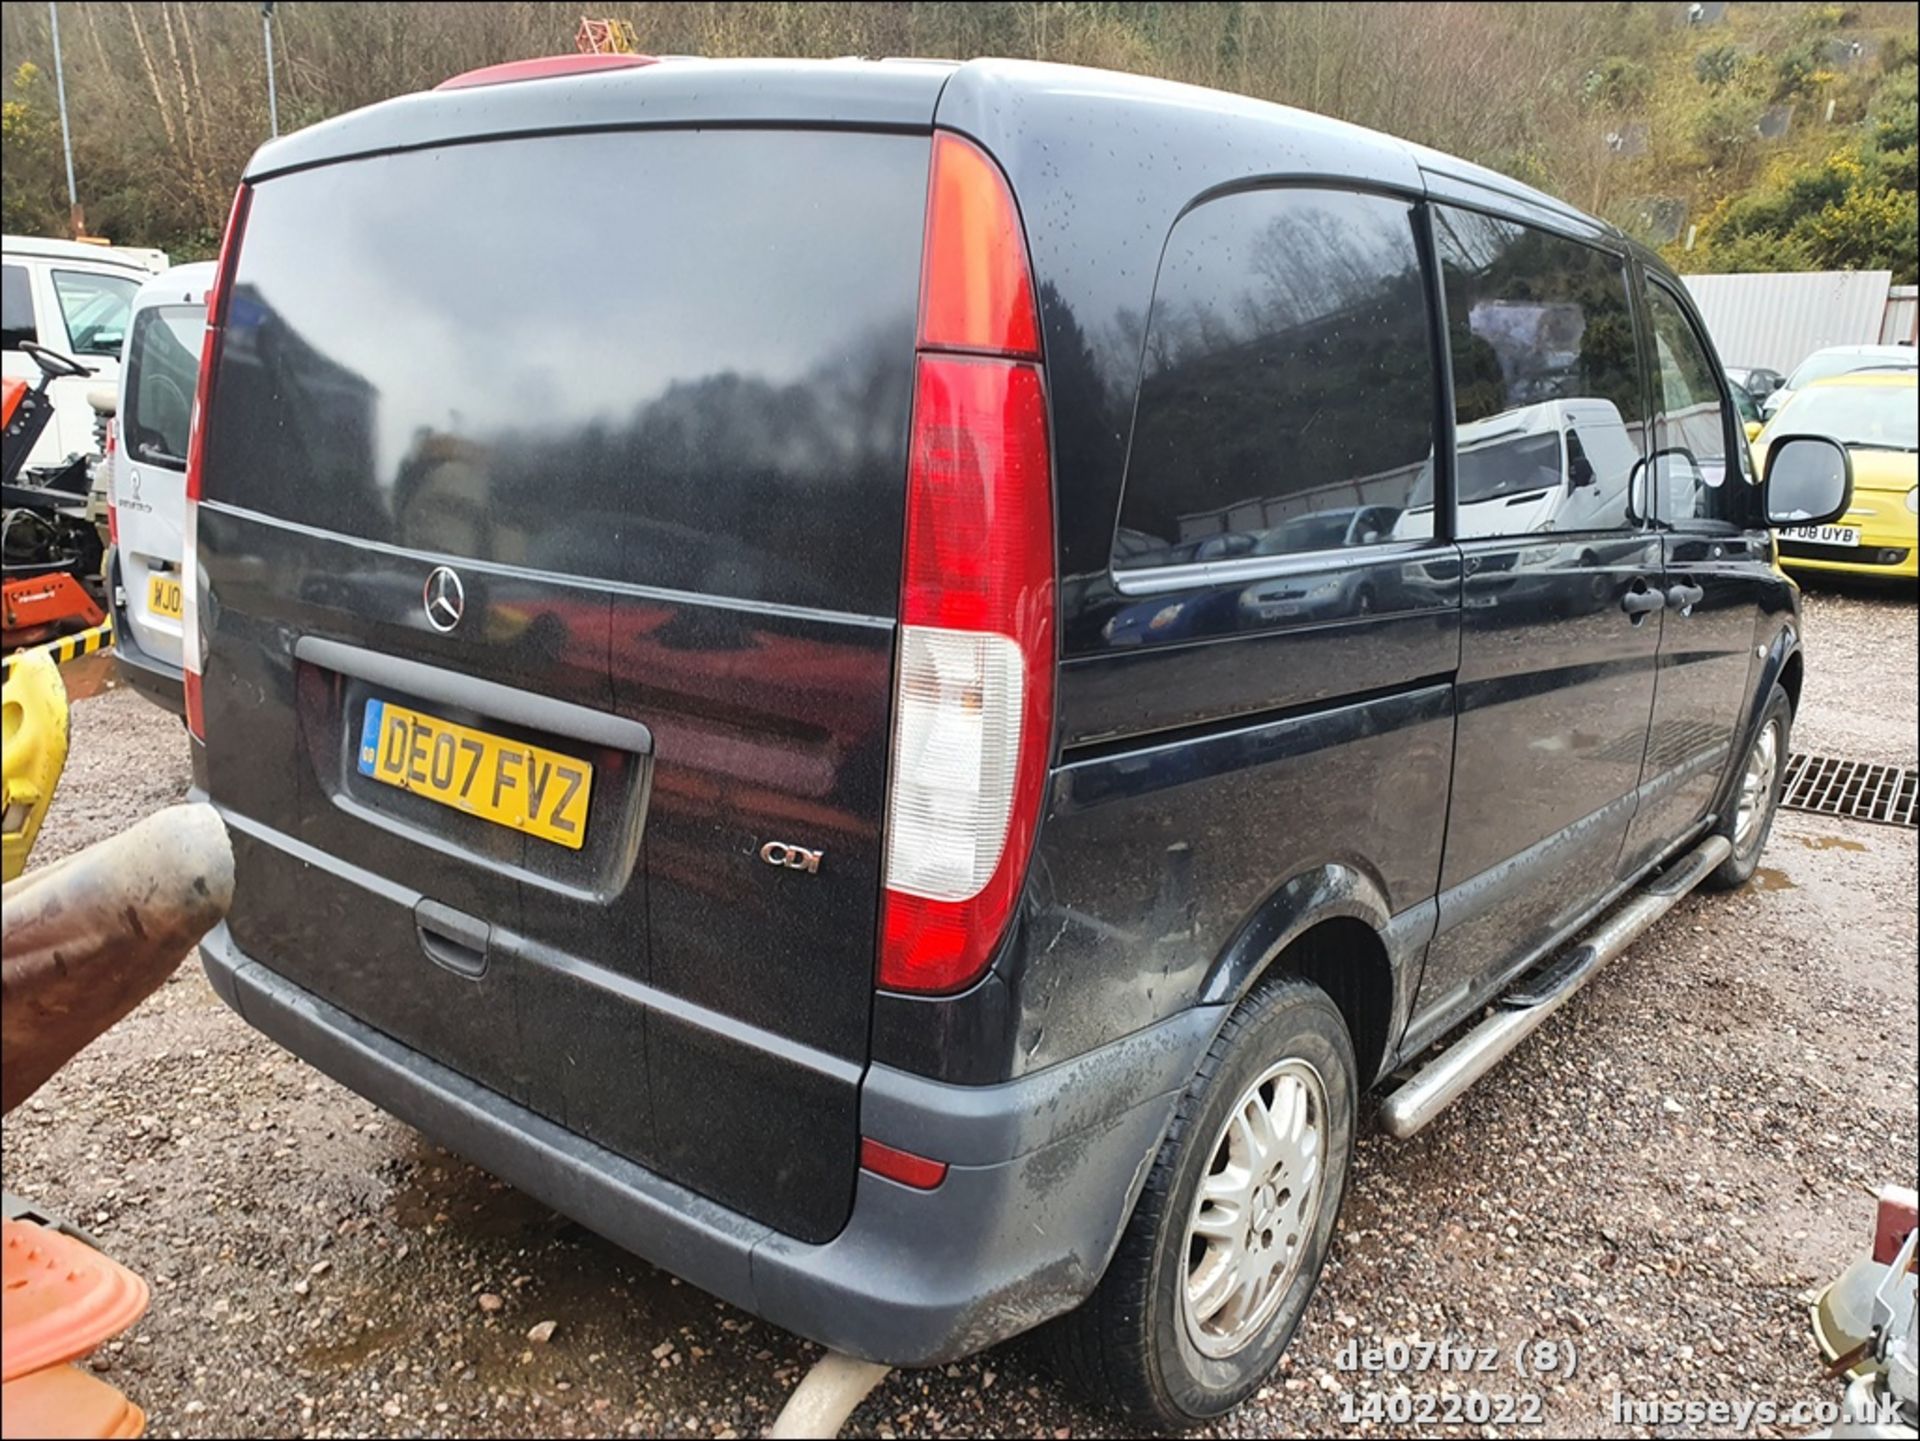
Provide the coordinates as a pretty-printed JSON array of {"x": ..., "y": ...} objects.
[
  {"x": 1902, "y": 325},
  {"x": 1779, "y": 320}
]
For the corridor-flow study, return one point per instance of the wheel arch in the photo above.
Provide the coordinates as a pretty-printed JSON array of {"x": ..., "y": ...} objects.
[
  {"x": 1332, "y": 926},
  {"x": 1792, "y": 674}
]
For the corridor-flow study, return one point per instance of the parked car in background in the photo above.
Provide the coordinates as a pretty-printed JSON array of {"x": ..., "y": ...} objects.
[
  {"x": 1755, "y": 380},
  {"x": 147, "y": 478},
  {"x": 1872, "y": 413},
  {"x": 1743, "y": 401},
  {"x": 1839, "y": 360},
  {"x": 71, "y": 297},
  {"x": 666, "y": 764}
]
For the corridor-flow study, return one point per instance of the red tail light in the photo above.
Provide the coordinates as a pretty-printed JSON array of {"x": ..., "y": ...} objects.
[
  {"x": 975, "y": 289},
  {"x": 190, "y": 658},
  {"x": 973, "y": 702}
]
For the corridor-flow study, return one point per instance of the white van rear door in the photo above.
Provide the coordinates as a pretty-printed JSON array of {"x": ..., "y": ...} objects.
[{"x": 150, "y": 464}]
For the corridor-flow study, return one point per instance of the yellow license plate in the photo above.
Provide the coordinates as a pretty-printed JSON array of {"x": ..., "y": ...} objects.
[
  {"x": 507, "y": 782},
  {"x": 163, "y": 595}
]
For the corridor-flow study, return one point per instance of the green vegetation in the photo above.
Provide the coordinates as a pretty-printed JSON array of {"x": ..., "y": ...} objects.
[
  {"x": 1828, "y": 196},
  {"x": 1780, "y": 136}
]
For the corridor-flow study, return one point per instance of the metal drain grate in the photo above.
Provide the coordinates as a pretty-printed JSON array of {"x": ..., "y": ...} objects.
[{"x": 1859, "y": 789}]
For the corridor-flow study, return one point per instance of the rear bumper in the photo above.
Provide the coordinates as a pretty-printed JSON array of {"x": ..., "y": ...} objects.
[
  {"x": 1042, "y": 1176},
  {"x": 139, "y": 669}
]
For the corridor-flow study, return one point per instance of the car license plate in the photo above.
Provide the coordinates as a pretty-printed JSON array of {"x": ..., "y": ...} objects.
[
  {"x": 163, "y": 595},
  {"x": 1822, "y": 534},
  {"x": 506, "y": 782}
]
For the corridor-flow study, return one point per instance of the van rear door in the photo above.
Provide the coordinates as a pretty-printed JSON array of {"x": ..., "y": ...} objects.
[
  {"x": 148, "y": 474},
  {"x": 551, "y": 529}
]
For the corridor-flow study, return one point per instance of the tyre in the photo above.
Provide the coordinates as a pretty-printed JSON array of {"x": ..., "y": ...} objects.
[
  {"x": 1225, "y": 1246},
  {"x": 1756, "y": 796}
]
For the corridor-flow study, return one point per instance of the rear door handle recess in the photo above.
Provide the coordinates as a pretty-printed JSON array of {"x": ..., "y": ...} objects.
[
  {"x": 452, "y": 940},
  {"x": 1642, "y": 601},
  {"x": 1684, "y": 598}
]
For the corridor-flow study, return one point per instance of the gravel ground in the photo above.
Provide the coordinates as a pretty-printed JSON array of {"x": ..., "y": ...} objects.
[{"x": 1657, "y": 1179}]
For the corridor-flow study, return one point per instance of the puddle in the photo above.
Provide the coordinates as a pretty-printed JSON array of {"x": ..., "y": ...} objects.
[
  {"x": 1832, "y": 843},
  {"x": 466, "y": 1197},
  {"x": 89, "y": 676},
  {"x": 364, "y": 1342},
  {"x": 1767, "y": 878}
]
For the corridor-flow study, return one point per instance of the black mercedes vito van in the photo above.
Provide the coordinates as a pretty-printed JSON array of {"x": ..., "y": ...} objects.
[{"x": 897, "y": 683}]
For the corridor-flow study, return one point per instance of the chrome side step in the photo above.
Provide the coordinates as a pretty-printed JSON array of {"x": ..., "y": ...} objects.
[{"x": 1442, "y": 1080}]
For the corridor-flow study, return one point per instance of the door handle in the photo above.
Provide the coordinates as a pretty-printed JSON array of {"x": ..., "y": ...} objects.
[
  {"x": 452, "y": 940},
  {"x": 1684, "y": 598},
  {"x": 1642, "y": 601}
]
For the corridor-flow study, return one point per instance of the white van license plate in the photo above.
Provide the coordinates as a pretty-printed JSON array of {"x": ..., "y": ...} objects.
[
  {"x": 1822, "y": 534},
  {"x": 163, "y": 595}
]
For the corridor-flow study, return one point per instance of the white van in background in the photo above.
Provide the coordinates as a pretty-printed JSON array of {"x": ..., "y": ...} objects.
[
  {"x": 147, "y": 478},
  {"x": 72, "y": 297},
  {"x": 1543, "y": 467}
]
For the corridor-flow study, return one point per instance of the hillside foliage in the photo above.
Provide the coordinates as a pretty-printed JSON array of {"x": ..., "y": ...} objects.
[{"x": 1770, "y": 136}]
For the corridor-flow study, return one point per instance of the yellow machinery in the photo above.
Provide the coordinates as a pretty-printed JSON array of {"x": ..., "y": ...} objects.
[{"x": 33, "y": 706}]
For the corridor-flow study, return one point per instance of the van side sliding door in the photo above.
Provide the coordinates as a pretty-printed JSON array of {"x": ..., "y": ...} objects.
[{"x": 1561, "y": 621}]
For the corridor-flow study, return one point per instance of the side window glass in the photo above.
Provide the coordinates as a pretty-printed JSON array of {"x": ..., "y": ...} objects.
[
  {"x": 1693, "y": 430},
  {"x": 163, "y": 362},
  {"x": 1547, "y": 404},
  {"x": 96, "y": 308},
  {"x": 1286, "y": 403},
  {"x": 17, "y": 295}
]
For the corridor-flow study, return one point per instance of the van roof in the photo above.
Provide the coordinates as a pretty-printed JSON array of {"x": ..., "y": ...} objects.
[
  {"x": 1542, "y": 417},
  {"x": 1888, "y": 352},
  {"x": 182, "y": 285},
  {"x": 984, "y": 98},
  {"x": 851, "y": 93},
  {"x": 130, "y": 257}
]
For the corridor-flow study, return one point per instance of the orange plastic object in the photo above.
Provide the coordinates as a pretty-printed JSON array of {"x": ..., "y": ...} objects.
[
  {"x": 14, "y": 392},
  {"x": 62, "y": 1299},
  {"x": 66, "y": 1401}
]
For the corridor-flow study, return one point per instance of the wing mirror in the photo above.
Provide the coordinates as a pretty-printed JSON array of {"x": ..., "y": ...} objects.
[
  {"x": 1753, "y": 429},
  {"x": 1809, "y": 480}
]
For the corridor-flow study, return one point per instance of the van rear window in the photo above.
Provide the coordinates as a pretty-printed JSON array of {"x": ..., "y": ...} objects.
[
  {"x": 672, "y": 358},
  {"x": 163, "y": 366}
]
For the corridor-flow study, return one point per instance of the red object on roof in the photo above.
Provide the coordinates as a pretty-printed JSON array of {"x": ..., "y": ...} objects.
[{"x": 543, "y": 66}]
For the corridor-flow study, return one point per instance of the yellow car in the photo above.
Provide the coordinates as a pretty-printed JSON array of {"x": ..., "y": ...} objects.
[{"x": 1873, "y": 413}]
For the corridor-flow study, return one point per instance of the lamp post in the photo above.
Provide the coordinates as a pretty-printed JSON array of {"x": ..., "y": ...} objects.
[
  {"x": 273, "y": 100},
  {"x": 75, "y": 218}
]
